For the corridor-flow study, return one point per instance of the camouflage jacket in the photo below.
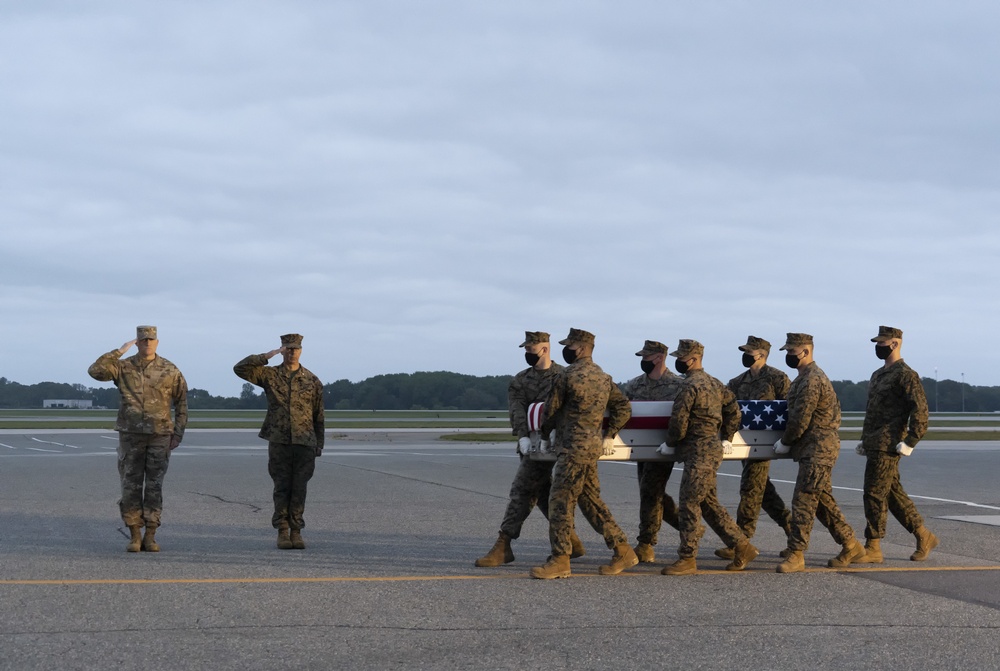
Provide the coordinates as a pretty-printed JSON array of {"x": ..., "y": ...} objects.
[
  {"x": 148, "y": 390},
  {"x": 896, "y": 410},
  {"x": 576, "y": 406},
  {"x": 769, "y": 384},
  {"x": 813, "y": 417},
  {"x": 705, "y": 412},
  {"x": 294, "y": 401},
  {"x": 527, "y": 387},
  {"x": 645, "y": 388}
]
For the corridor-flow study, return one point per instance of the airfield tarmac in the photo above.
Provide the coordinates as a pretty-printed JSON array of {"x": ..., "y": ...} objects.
[{"x": 395, "y": 520}]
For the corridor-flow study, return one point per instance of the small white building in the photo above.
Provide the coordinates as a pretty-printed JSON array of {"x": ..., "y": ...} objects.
[{"x": 67, "y": 403}]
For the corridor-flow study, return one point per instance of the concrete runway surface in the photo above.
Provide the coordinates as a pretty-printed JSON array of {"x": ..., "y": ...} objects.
[{"x": 394, "y": 523}]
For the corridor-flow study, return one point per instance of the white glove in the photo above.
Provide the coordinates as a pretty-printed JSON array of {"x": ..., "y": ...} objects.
[
  {"x": 608, "y": 447},
  {"x": 665, "y": 450},
  {"x": 904, "y": 450},
  {"x": 860, "y": 449},
  {"x": 543, "y": 447},
  {"x": 523, "y": 446},
  {"x": 781, "y": 448},
  {"x": 727, "y": 447},
  {"x": 552, "y": 437}
]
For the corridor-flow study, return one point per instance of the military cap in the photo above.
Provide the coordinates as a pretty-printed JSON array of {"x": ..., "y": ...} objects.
[
  {"x": 652, "y": 347},
  {"x": 686, "y": 348},
  {"x": 755, "y": 343},
  {"x": 578, "y": 336},
  {"x": 291, "y": 341},
  {"x": 797, "y": 340},
  {"x": 887, "y": 333},
  {"x": 145, "y": 332},
  {"x": 534, "y": 338}
]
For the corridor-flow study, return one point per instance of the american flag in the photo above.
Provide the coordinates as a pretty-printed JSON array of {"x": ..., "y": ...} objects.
[{"x": 763, "y": 415}]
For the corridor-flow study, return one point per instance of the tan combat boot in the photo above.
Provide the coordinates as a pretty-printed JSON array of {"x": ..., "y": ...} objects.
[
  {"x": 743, "y": 554},
  {"x": 500, "y": 553},
  {"x": 724, "y": 553},
  {"x": 296, "y": 537},
  {"x": 135, "y": 542},
  {"x": 683, "y": 566},
  {"x": 645, "y": 553},
  {"x": 149, "y": 543},
  {"x": 284, "y": 540},
  {"x": 926, "y": 541},
  {"x": 623, "y": 558},
  {"x": 873, "y": 552},
  {"x": 578, "y": 549},
  {"x": 555, "y": 567},
  {"x": 794, "y": 562},
  {"x": 851, "y": 552}
]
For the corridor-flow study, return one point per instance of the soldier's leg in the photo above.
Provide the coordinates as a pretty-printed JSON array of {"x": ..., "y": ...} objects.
[
  {"x": 595, "y": 510},
  {"x": 805, "y": 501},
  {"x": 878, "y": 482},
  {"x": 692, "y": 493},
  {"x": 131, "y": 472},
  {"x": 718, "y": 518},
  {"x": 900, "y": 504},
  {"x": 774, "y": 506},
  {"x": 157, "y": 460},
  {"x": 827, "y": 510},
  {"x": 752, "y": 485},
  {"x": 567, "y": 483},
  {"x": 303, "y": 465},
  {"x": 280, "y": 470},
  {"x": 531, "y": 484},
  {"x": 651, "y": 499}
]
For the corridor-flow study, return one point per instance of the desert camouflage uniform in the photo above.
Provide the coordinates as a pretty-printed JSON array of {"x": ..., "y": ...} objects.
[
  {"x": 756, "y": 490},
  {"x": 533, "y": 478},
  {"x": 575, "y": 409},
  {"x": 293, "y": 427},
  {"x": 145, "y": 425},
  {"x": 654, "y": 502},
  {"x": 811, "y": 433},
  {"x": 704, "y": 413},
  {"x": 896, "y": 412}
]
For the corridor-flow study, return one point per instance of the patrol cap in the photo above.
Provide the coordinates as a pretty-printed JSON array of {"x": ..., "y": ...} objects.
[
  {"x": 292, "y": 341},
  {"x": 755, "y": 343},
  {"x": 534, "y": 338},
  {"x": 578, "y": 337},
  {"x": 145, "y": 332},
  {"x": 797, "y": 340},
  {"x": 652, "y": 347},
  {"x": 686, "y": 348},
  {"x": 887, "y": 333}
]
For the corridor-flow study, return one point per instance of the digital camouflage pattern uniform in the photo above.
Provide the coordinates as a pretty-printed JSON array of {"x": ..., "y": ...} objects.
[
  {"x": 533, "y": 478},
  {"x": 293, "y": 427},
  {"x": 654, "y": 502},
  {"x": 811, "y": 433},
  {"x": 153, "y": 410},
  {"x": 704, "y": 413},
  {"x": 896, "y": 412},
  {"x": 575, "y": 409},
  {"x": 756, "y": 489}
]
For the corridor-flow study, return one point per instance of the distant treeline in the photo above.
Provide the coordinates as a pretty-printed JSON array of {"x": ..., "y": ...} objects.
[{"x": 447, "y": 391}]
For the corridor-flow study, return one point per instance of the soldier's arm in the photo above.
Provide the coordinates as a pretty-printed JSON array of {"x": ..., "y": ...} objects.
[
  {"x": 107, "y": 368},
  {"x": 730, "y": 415},
  {"x": 619, "y": 410},
  {"x": 553, "y": 404},
  {"x": 801, "y": 412},
  {"x": 781, "y": 385},
  {"x": 918, "y": 409},
  {"x": 319, "y": 416},
  {"x": 252, "y": 368},
  {"x": 179, "y": 395},
  {"x": 517, "y": 407},
  {"x": 678, "y": 427}
]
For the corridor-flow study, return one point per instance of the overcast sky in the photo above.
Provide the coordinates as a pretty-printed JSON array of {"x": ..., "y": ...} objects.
[{"x": 412, "y": 185}]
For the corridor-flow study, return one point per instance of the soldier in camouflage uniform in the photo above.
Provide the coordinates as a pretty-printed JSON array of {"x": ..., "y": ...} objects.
[
  {"x": 575, "y": 411},
  {"x": 655, "y": 384},
  {"x": 149, "y": 386},
  {"x": 703, "y": 421},
  {"x": 812, "y": 439},
  {"x": 759, "y": 383},
  {"x": 293, "y": 429},
  {"x": 895, "y": 421},
  {"x": 532, "y": 480}
]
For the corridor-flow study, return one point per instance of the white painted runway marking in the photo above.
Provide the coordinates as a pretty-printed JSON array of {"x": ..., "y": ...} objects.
[
  {"x": 991, "y": 520},
  {"x": 114, "y": 438},
  {"x": 10, "y": 446},
  {"x": 49, "y": 442},
  {"x": 40, "y": 449}
]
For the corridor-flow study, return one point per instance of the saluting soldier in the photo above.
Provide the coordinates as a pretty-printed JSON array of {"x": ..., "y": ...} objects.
[
  {"x": 151, "y": 388},
  {"x": 293, "y": 429}
]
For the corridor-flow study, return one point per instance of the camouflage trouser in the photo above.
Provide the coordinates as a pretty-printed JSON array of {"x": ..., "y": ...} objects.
[
  {"x": 813, "y": 499},
  {"x": 142, "y": 464},
  {"x": 529, "y": 489},
  {"x": 653, "y": 476},
  {"x": 757, "y": 492},
  {"x": 573, "y": 483},
  {"x": 883, "y": 492},
  {"x": 698, "y": 497},
  {"x": 291, "y": 467}
]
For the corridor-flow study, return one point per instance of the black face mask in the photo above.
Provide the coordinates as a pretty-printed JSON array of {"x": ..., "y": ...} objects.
[
  {"x": 681, "y": 366},
  {"x": 647, "y": 366},
  {"x": 792, "y": 360},
  {"x": 531, "y": 358},
  {"x": 748, "y": 359},
  {"x": 569, "y": 355},
  {"x": 883, "y": 351}
]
